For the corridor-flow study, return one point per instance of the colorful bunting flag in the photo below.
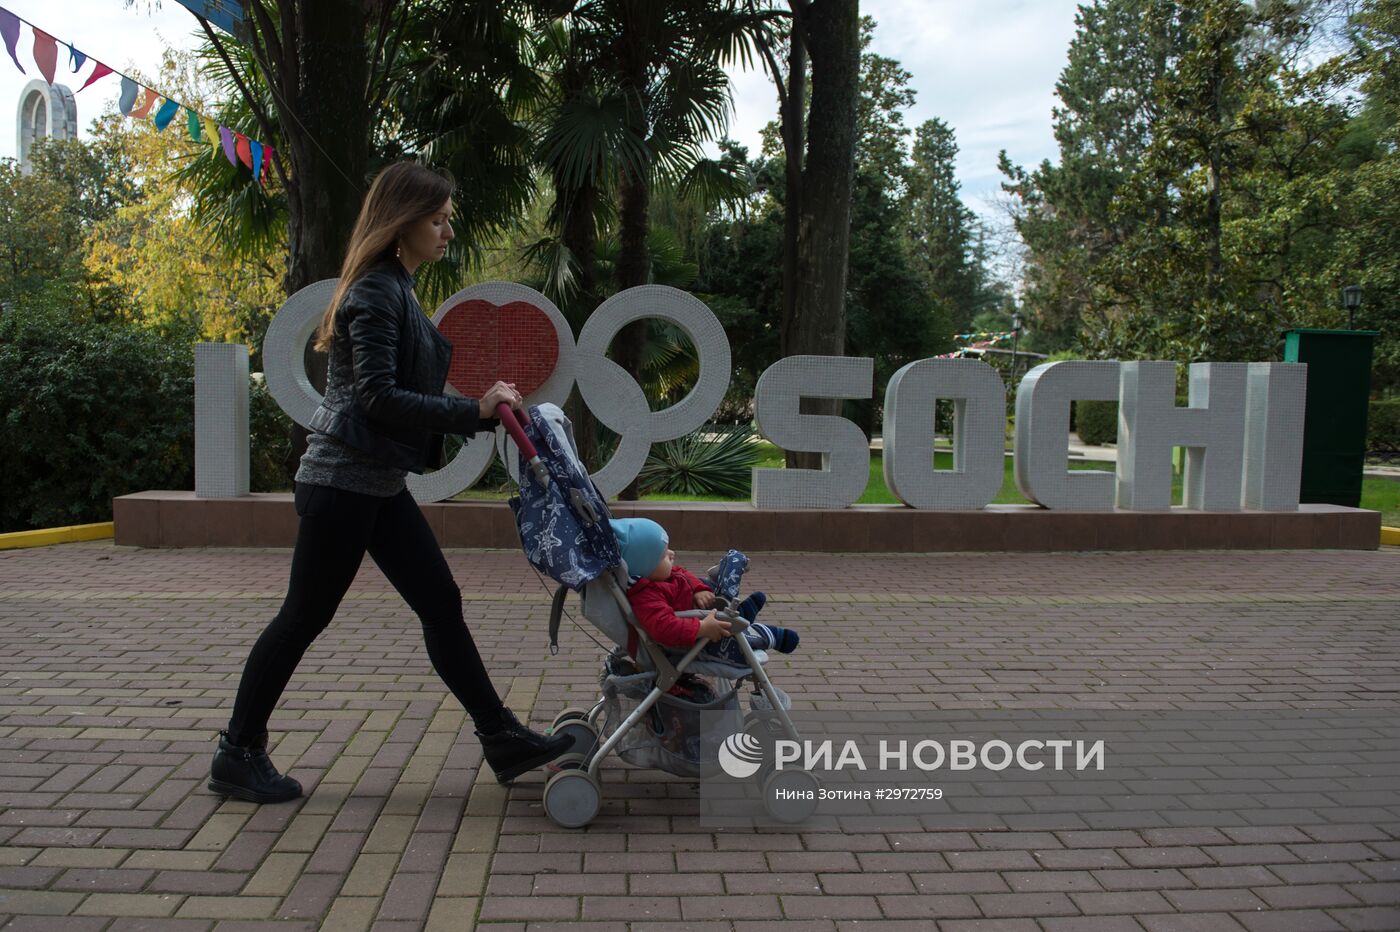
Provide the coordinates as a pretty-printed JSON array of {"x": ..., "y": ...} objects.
[
  {"x": 128, "y": 98},
  {"x": 99, "y": 70},
  {"x": 45, "y": 54},
  {"x": 245, "y": 152},
  {"x": 141, "y": 112},
  {"x": 166, "y": 113},
  {"x": 9, "y": 28},
  {"x": 237, "y": 147},
  {"x": 226, "y": 138}
]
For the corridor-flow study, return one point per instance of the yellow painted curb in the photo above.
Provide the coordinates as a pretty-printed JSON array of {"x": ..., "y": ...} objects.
[
  {"x": 56, "y": 535},
  {"x": 1391, "y": 536}
]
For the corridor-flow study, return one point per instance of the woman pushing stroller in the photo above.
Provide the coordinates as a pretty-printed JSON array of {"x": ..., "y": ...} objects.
[{"x": 384, "y": 415}]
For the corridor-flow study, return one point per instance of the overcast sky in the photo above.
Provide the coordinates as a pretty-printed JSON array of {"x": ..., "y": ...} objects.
[{"x": 987, "y": 68}]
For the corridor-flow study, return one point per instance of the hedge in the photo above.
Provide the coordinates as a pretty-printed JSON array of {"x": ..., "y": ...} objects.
[
  {"x": 1383, "y": 425},
  {"x": 1097, "y": 421},
  {"x": 91, "y": 411}
]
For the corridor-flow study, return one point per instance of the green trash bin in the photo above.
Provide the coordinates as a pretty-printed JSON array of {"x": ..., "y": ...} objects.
[{"x": 1334, "y": 422}]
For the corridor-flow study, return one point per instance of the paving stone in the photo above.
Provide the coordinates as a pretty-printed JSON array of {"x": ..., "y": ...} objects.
[{"x": 404, "y": 829}]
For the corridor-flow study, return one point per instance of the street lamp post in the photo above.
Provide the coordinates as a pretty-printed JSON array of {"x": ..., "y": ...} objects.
[
  {"x": 1351, "y": 300},
  {"x": 1015, "y": 342}
]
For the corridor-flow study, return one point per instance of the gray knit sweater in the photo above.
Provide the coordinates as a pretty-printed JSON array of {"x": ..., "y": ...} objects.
[{"x": 328, "y": 461}]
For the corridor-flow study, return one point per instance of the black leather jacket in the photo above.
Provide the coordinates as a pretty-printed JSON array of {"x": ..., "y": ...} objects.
[{"x": 395, "y": 363}]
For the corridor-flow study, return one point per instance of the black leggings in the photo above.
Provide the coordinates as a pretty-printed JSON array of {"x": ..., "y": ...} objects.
[{"x": 336, "y": 530}]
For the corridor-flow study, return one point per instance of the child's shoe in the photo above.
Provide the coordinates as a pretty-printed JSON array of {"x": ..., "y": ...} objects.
[{"x": 771, "y": 637}]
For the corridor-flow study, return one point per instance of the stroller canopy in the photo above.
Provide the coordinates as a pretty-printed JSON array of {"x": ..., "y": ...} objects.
[{"x": 564, "y": 527}]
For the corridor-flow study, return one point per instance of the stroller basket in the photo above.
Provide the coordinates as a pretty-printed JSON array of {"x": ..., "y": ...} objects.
[{"x": 676, "y": 735}]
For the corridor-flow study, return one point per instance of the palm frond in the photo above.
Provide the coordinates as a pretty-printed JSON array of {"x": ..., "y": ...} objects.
[{"x": 712, "y": 461}]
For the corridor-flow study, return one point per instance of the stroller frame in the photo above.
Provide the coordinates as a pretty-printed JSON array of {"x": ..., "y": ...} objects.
[
  {"x": 573, "y": 795},
  {"x": 666, "y": 673}
]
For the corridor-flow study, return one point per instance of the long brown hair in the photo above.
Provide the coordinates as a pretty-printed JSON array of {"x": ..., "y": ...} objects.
[{"x": 400, "y": 196}]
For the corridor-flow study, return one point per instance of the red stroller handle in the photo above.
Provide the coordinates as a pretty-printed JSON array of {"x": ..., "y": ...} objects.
[
  {"x": 506, "y": 414},
  {"x": 511, "y": 423}
]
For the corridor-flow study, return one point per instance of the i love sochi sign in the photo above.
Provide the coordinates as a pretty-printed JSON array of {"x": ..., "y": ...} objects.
[{"x": 1242, "y": 428}]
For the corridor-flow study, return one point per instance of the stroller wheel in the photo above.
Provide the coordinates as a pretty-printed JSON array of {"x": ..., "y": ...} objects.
[
  {"x": 570, "y": 761},
  {"x": 799, "y": 799},
  {"x": 584, "y": 732},
  {"x": 570, "y": 714},
  {"x": 572, "y": 798}
]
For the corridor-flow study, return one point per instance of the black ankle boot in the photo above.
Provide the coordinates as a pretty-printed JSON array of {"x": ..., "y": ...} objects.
[
  {"x": 515, "y": 749},
  {"x": 246, "y": 772}
]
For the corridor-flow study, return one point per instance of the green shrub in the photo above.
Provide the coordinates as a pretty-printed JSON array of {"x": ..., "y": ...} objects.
[
  {"x": 1097, "y": 421},
  {"x": 90, "y": 411},
  {"x": 712, "y": 461},
  {"x": 269, "y": 440},
  {"x": 1383, "y": 425}
]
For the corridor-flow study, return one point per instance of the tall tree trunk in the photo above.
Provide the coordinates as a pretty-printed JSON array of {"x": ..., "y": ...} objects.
[
  {"x": 327, "y": 133},
  {"x": 580, "y": 235},
  {"x": 633, "y": 268},
  {"x": 792, "y": 116},
  {"x": 818, "y": 324},
  {"x": 634, "y": 195}
]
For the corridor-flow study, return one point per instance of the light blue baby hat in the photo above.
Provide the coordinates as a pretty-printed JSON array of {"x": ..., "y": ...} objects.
[{"x": 643, "y": 543}]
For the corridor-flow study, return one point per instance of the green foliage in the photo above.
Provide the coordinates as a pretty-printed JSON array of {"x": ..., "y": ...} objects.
[
  {"x": 1216, "y": 182},
  {"x": 40, "y": 233},
  {"x": 269, "y": 441},
  {"x": 1096, "y": 422},
  {"x": 1383, "y": 425},
  {"x": 91, "y": 411},
  {"x": 710, "y": 461}
]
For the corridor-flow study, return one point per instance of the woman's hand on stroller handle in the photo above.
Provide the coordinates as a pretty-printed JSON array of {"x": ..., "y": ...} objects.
[
  {"x": 506, "y": 402},
  {"x": 502, "y": 393}
]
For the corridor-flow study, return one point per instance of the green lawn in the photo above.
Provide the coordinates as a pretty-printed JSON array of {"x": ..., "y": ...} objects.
[{"x": 1381, "y": 495}]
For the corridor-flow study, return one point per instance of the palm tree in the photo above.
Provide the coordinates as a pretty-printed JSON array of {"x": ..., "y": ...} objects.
[{"x": 640, "y": 88}]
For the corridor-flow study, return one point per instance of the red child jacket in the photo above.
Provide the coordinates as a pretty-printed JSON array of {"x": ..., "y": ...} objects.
[{"x": 655, "y": 603}]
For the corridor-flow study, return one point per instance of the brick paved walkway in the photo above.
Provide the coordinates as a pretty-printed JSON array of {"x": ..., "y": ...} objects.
[{"x": 117, "y": 666}]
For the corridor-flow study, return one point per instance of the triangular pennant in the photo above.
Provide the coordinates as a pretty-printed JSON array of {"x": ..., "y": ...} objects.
[
  {"x": 192, "y": 123},
  {"x": 9, "y": 28},
  {"x": 226, "y": 139},
  {"x": 257, "y": 151},
  {"x": 267, "y": 157},
  {"x": 99, "y": 71},
  {"x": 45, "y": 54},
  {"x": 245, "y": 152},
  {"x": 166, "y": 113},
  {"x": 128, "y": 98},
  {"x": 76, "y": 59},
  {"x": 142, "y": 111},
  {"x": 211, "y": 131}
]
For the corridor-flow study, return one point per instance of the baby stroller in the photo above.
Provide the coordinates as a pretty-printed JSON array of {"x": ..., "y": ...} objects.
[{"x": 659, "y": 710}]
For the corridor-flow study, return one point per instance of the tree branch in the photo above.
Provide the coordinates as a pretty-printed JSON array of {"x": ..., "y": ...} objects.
[
  {"x": 258, "y": 112},
  {"x": 772, "y": 63}
]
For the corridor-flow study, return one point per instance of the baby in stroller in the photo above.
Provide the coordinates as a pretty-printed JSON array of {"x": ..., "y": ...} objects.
[{"x": 659, "y": 589}]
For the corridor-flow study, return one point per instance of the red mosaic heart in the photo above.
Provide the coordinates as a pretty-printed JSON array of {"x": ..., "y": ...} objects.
[{"x": 513, "y": 342}]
